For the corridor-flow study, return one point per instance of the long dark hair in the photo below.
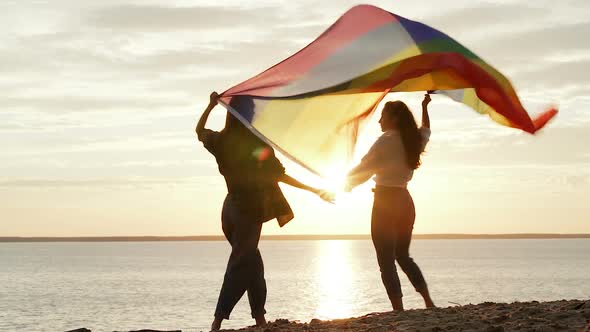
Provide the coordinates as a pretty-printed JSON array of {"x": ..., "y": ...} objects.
[
  {"x": 242, "y": 143},
  {"x": 408, "y": 129},
  {"x": 234, "y": 127}
]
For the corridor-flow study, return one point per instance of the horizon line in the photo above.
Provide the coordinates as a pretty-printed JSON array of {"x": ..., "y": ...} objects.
[{"x": 150, "y": 238}]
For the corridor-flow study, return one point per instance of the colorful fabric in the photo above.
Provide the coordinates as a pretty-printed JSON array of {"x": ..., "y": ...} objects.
[{"x": 312, "y": 105}]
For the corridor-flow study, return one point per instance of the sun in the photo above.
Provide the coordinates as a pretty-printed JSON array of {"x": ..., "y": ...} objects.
[{"x": 336, "y": 179}]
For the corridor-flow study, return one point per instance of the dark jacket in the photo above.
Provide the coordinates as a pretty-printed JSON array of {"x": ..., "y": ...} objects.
[{"x": 251, "y": 173}]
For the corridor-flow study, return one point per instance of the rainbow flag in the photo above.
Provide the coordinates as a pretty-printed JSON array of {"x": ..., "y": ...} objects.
[{"x": 312, "y": 105}]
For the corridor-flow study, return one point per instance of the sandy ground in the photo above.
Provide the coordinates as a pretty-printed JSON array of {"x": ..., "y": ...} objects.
[{"x": 572, "y": 315}]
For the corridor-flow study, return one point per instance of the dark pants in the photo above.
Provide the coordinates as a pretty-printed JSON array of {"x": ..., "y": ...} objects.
[
  {"x": 392, "y": 222},
  {"x": 245, "y": 270}
]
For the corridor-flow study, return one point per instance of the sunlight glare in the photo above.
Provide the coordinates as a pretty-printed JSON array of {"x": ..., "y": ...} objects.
[
  {"x": 334, "y": 275},
  {"x": 336, "y": 181}
]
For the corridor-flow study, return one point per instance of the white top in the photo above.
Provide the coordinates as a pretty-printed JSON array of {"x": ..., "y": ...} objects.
[{"x": 387, "y": 160}]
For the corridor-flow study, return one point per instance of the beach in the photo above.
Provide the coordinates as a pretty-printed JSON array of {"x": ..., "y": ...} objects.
[{"x": 564, "y": 315}]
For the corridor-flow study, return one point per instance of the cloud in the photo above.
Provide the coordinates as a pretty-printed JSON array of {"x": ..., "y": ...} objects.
[
  {"x": 483, "y": 17},
  {"x": 161, "y": 18},
  {"x": 556, "y": 75},
  {"x": 106, "y": 182},
  {"x": 536, "y": 43},
  {"x": 524, "y": 40},
  {"x": 90, "y": 144},
  {"x": 554, "y": 145},
  {"x": 577, "y": 180},
  {"x": 84, "y": 67},
  {"x": 59, "y": 104}
]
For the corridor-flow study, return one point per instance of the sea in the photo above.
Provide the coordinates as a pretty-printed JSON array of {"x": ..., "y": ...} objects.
[{"x": 122, "y": 286}]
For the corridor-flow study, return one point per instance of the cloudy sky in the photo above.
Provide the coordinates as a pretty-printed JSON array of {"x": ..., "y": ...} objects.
[{"x": 100, "y": 98}]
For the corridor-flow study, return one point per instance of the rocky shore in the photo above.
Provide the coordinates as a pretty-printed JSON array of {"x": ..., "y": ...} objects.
[
  {"x": 572, "y": 315},
  {"x": 564, "y": 315}
]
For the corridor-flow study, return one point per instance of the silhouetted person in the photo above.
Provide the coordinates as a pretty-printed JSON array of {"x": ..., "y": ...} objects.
[
  {"x": 251, "y": 173},
  {"x": 393, "y": 159}
]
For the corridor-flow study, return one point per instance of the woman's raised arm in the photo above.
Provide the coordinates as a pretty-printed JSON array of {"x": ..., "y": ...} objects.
[{"x": 200, "y": 129}]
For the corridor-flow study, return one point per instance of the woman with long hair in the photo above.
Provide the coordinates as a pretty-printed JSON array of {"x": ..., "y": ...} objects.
[
  {"x": 251, "y": 173},
  {"x": 393, "y": 159}
]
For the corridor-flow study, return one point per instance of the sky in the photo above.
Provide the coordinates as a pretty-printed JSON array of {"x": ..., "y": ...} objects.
[{"x": 100, "y": 98}]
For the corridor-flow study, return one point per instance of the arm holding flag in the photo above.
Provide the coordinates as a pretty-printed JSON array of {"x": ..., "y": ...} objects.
[
  {"x": 200, "y": 129},
  {"x": 425, "y": 116}
]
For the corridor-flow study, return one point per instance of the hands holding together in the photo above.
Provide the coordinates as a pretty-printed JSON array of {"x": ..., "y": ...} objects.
[{"x": 326, "y": 195}]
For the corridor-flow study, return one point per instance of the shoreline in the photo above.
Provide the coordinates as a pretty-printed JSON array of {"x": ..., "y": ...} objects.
[
  {"x": 303, "y": 237},
  {"x": 563, "y": 315}
]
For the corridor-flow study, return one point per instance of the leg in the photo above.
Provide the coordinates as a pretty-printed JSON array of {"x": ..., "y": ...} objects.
[
  {"x": 384, "y": 242},
  {"x": 257, "y": 290},
  {"x": 410, "y": 267},
  {"x": 227, "y": 228},
  {"x": 244, "y": 237},
  {"x": 402, "y": 253}
]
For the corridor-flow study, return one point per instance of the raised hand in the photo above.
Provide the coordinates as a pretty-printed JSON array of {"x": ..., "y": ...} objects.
[
  {"x": 213, "y": 98},
  {"x": 426, "y": 101}
]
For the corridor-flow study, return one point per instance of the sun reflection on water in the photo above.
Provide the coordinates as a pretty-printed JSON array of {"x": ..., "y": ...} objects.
[{"x": 334, "y": 275}]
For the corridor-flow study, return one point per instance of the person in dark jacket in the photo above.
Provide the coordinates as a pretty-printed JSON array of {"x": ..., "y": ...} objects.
[{"x": 252, "y": 173}]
